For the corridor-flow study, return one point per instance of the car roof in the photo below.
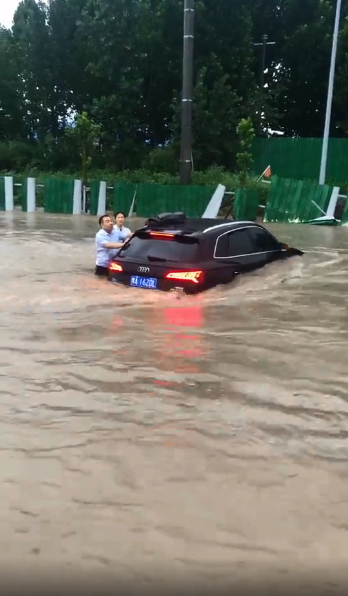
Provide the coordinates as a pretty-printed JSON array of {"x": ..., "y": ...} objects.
[{"x": 192, "y": 225}]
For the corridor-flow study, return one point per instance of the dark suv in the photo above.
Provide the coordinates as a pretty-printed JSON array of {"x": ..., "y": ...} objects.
[{"x": 172, "y": 251}]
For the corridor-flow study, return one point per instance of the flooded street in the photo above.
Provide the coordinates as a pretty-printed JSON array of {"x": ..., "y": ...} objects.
[{"x": 150, "y": 436}]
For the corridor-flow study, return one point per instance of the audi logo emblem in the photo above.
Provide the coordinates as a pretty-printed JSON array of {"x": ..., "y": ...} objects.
[{"x": 143, "y": 269}]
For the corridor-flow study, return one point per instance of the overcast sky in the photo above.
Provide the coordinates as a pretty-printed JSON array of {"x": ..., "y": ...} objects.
[{"x": 7, "y": 10}]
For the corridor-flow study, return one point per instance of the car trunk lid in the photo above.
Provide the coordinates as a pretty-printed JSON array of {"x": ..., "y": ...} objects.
[{"x": 165, "y": 255}]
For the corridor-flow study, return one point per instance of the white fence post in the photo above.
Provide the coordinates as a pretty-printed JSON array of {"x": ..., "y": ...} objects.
[
  {"x": 131, "y": 210},
  {"x": 31, "y": 195},
  {"x": 214, "y": 204},
  {"x": 102, "y": 199},
  {"x": 77, "y": 197},
  {"x": 9, "y": 204}
]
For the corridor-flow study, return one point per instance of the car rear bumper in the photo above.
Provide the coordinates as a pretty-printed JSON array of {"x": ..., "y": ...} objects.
[{"x": 163, "y": 285}]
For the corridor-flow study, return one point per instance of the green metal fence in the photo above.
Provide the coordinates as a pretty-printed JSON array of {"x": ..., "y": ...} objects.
[
  {"x": 300, "y": 158},
  {"x": 345, "y": 214},
  {"x": 154, "y": 198},
  {"x": 94, "y": 196},
  {"x": 289, "y": 200},
  {"x": 123, "y": 196},
  {"x": 246, "y": 204},
  {"x": 24, "y": 194},
  {"x": 296, "y": 201},
  {"x": 58, "y": 195}
]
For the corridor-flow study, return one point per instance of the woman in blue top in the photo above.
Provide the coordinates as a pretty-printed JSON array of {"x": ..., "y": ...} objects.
[{"x": 123, "y": 232}]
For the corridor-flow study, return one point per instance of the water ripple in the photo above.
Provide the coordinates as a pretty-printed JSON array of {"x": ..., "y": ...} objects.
[{"x": 198, "y": 430}]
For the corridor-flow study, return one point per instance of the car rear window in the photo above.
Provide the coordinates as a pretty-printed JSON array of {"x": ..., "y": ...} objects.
[{"x": 175, "y": 249}]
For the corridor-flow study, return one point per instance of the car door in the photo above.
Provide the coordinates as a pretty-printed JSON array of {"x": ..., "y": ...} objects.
[
  {"x": 267, "y": 246},
  {"x": 236, "y": 250}
]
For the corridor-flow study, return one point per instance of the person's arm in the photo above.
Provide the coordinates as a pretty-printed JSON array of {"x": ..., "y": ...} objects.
[
  {"x": 102, "y": 241},
  {"x": 113, "y": 244}
]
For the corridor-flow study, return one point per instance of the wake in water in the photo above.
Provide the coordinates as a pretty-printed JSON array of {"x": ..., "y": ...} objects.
[
  {"x": 54, "y": 291},
  {"x": 62, "y": 280}
]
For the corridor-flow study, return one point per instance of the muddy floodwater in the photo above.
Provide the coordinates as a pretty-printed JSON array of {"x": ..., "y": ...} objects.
[{"x": 146, "y": 435}]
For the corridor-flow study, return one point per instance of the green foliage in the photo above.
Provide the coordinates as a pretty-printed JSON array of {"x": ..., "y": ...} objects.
[
  {"x": 246, "y": 134},
  {"x": 162, "y": 159},
  {"x": 119, "y": 62},
  {"x": 210, "y": 177},
  {"x": 305, "y": 62},
  {"x": 83, "y": 137}
]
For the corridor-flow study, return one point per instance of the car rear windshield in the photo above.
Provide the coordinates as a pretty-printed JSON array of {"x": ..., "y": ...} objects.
[{"x": 170, "y": 249}]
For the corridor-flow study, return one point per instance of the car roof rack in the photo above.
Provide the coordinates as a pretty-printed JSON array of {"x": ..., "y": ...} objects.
[
  {"x": 163, "y": 220},
  {"x": 178, "y": 221}
]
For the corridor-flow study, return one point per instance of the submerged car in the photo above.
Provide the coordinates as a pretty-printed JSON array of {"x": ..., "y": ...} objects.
[{"x": 175, "y": 252}]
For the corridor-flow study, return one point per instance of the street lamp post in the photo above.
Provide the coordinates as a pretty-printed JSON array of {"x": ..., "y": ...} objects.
[
  {"x": 187, "y": 93},
  {"x": 322, "y": 175}
]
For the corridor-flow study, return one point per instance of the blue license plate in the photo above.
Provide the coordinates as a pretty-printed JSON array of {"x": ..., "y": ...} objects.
[{"x": 144, "y": 282}]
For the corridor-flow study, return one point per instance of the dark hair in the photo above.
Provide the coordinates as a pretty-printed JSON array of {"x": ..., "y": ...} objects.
[
  {"x": 119, "y": 213},
  {"x": 102, "y": 217}
]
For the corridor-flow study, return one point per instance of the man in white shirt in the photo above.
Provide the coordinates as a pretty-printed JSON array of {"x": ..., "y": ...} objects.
[{"x": 108, "y": 242}]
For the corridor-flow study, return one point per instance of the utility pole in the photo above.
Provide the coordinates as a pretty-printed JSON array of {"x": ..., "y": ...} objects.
[
  {"x": 264, "y": 45},
  {"x": 187, "y": 93},
  {"x": 322, "y": 175}
]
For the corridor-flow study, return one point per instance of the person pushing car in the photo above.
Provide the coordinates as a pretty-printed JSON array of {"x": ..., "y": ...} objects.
[{"x": 108, "y": 241}]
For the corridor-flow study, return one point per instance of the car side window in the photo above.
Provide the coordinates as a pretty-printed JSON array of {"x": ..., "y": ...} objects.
[
  {"x": 222, "y": 246},
  {"x": 239, "y": 243},
  {"x": 263, "y": 241}
]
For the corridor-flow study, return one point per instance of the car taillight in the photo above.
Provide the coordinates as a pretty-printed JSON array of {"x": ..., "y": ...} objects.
[
  {"x": 115, "y": 267},
  {"x": 162, "y": 235},
  {"x": 194, "y": 276}
]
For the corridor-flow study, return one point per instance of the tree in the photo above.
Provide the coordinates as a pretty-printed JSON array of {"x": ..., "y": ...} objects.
[
  {"x": 340, "y": 111},
  {"x": 120, "y": 62},
  {"x": 32, "y": 54},
  {"x": 10, "y": 100},
  {"x": 224, "y": 86},
  {"x": 304, "y": 66},
  {"x": 216, "y": 111},
  {"x": 246, "y": 134},
  {"x": 83, "y": 137}
]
